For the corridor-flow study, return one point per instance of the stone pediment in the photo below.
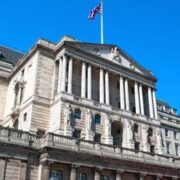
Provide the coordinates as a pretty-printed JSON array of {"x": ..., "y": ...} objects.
[{"x": 113, "y": 54}]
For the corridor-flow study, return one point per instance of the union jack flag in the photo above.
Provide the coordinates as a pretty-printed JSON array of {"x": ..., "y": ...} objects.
[{"x": 97, "y": 9}]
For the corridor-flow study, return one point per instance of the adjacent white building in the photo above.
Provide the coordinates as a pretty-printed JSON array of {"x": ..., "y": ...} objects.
[{"x": 76, "y": 110}]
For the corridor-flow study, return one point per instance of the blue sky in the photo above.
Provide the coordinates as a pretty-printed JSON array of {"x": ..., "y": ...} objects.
[{"x": 148, "y": 30}]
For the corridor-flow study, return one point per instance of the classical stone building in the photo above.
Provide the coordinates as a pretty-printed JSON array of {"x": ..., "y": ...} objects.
[{"x": 84, "y": 111}]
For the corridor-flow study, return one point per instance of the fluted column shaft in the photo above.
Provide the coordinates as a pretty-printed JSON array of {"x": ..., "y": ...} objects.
[
  {"x": 97, "y": 175},
  {"x": 83, "y": 80},
  {"x": 127, "y": 94},
  {"x": 73, "y": 174},
  {"x": 107, "y": 87},
  {"x": 101, "y": 86},
  {"x": 136, "y": 97},
  {"x": 70, "y": 72},
  {"x": 154, "y": 104},
  {"x": 150, "y": 103},
  {"x": 63, "y": 75},
  {"x": 121, "y": 82},
  {"x": 141, "y": 99},
  {"x": 89, "y": 82}
]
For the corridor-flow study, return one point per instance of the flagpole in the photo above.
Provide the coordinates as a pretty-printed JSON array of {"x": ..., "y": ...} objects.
[{"x": 102, "y": 23}]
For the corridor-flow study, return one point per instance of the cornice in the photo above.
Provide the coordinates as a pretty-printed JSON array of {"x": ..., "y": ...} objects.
[
  {"x": 106, "y": 64},
  {"x": 107, "y": 61}
]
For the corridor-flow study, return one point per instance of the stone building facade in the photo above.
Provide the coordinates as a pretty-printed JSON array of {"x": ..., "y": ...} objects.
[{"x": 84, "y": 111}]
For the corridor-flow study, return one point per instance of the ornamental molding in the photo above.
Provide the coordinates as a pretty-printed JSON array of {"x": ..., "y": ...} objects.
[{"x": 112, "y": 67}]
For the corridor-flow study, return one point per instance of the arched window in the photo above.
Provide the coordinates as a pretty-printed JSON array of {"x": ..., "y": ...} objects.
[
  {"x": 77, "y": 114},
  {"x": 136, "y": 128},
  {"x": 16, "y": 124},
  {"x": 97, "y": 119}
]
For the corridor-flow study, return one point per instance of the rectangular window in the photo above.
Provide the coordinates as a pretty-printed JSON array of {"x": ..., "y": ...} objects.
[
  {"x": 177, "y": 149},
  {"x": 77, "y": 134},
  {"x": 168, "y": 147},
  {"x": 56, "y": 174},
  {"x": 152, "y": 149},
  {"x": 166, "y": 132},
  {"x": 83, "y": 176},
  {"x": 97, "y": 138},
  {"x": 137, "y": 146},
  {"x": 25, "y": 117}
]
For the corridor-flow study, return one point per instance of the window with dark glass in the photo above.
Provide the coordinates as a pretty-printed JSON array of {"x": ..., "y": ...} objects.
[
  {"x": 77, "y": 114},
  {"x": 56, "y": 175},
  {"x": 97, "y": 138},
  {"x": 152, "y": 149},
  {"x": 136, "y": 128},
  {"x": 150, "y": 132},
  {"x": 83, "y": 176},
  {"x": 168, "y": 147},
  {"x": 177, "y": 149},
  {"x": 166, "y": 132},
  {"x": 25, "y": 117},
  {"x": 104, "y": 177},
  {"x": 137, "y": 146},
  {"x": 77, "y": 134},
  {"x": 97, "y": 119}
]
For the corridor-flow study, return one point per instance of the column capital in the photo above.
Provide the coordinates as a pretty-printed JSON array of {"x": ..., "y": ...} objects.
[
  {"x": 98, "y": 169},
  {"x": 120, "y": 171},
  {"x": 75, "y": 166},
  {"x": 159, "y": 177},
  {"x": 142, "y": 175}
]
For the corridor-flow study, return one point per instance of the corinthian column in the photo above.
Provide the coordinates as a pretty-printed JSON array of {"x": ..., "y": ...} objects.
[
  {"x": 127, "y": 94},
  {"x": 136, "y": 97},
  {"x": 70, "y": 71},
  {"x": 63, "y": 76},
  {"x": 83, "y": 80},
  {"x": 101, "y": 86},
  {"x": 154, "y": 104},
  {"x": 89, "y": 82},
  {"x": 150, "y": 103},
  {"x": 141, "y": 99},
  {"x": 107, "y": 87},
  {"x": 121, "y": 82}
]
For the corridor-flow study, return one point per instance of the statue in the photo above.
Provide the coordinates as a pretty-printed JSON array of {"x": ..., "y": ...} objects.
[
  {"x": 69, "y": 116},
  {"x": 131, "y": 130},
  {"x": 89, "y": 119}
]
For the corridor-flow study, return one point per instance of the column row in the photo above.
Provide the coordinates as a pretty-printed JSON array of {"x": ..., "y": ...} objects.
[{"x": 66, "y": 73}]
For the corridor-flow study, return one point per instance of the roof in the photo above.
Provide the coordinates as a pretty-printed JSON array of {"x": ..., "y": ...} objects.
[{"x": 9, "y": 55}]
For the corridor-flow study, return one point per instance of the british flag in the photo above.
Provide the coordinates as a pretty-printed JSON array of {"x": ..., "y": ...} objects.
[{"x": 97, "y": 9}]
